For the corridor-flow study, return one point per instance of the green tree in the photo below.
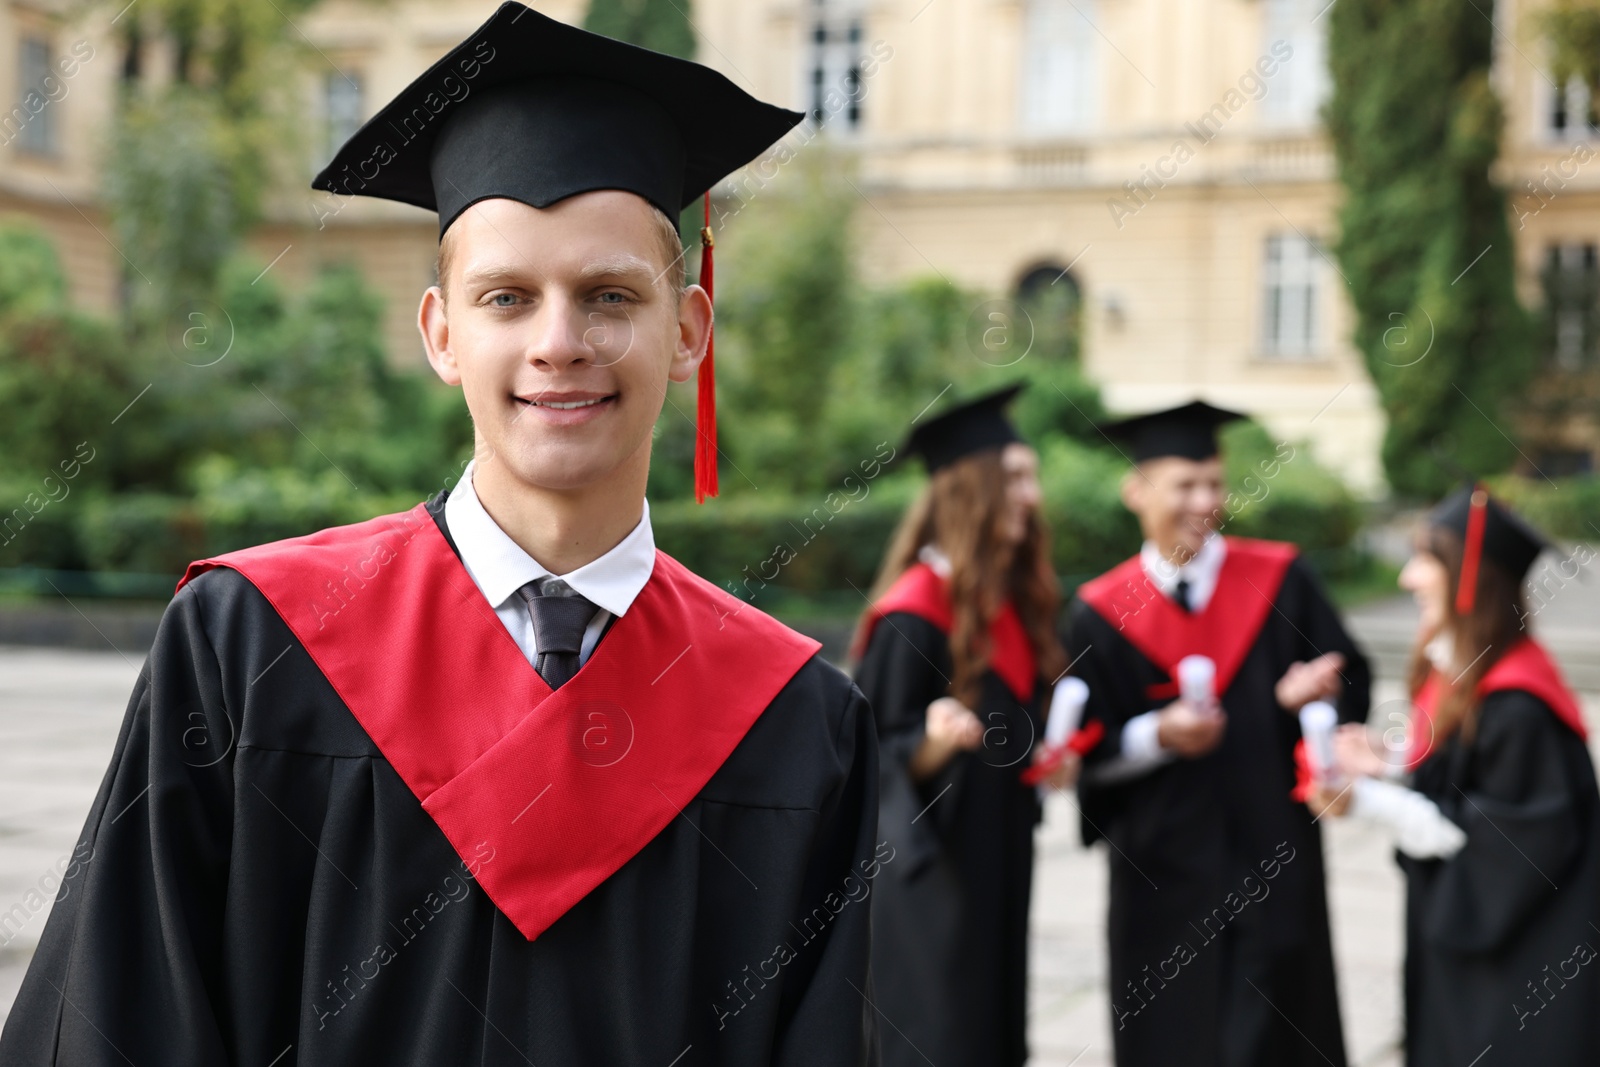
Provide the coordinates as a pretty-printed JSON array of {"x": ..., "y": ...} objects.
[
  {"x": 199, "y": 143},
  {"x": 659, "y": 25},
  {"x": 1571, "y": 32},
  {"x": 1424, "y": 244}
]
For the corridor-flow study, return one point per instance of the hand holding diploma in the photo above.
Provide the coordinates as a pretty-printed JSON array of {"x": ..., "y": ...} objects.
[
  {"x": 1328, "y": 791},
  {"x": 948, "y": 728},
  {"x": 1193, "y": 725},
  {"x": 1056, "y": 763}
]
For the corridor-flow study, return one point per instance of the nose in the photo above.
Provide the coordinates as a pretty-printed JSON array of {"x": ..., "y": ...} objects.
[
  {"x": 556, "y": 338},
  {"x": 1029, "y": 494}
]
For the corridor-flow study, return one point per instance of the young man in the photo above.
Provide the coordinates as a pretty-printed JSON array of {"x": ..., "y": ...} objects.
[
  {"x": 491, "y": 781},
  {"x": 1219, "y": 940}
]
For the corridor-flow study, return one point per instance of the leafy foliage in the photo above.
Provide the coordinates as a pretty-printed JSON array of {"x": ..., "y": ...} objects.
[
  {"x": 292, "y": 422},
  {"x": 660, "y": 25},
  {"x": 1571, "y": 30},
  {"x": 1425, "y": 245}
]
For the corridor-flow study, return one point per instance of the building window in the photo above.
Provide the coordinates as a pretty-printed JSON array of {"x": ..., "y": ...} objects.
[
  {"x": 834, "y": 88},
  {"x": 1295, "y": 93},
  {"x": 1059, "y": 74},
  {"x": 1289, "y": 296},
  {"x": 342, "y": 104},
  {"x": 33, "y": 123},
  {"x": 1571, "y": 280},
  {"x": 1572, "y": 113}
]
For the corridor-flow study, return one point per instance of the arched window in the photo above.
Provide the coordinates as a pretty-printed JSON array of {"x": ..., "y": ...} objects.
[{"x": 1053, "y": 301}]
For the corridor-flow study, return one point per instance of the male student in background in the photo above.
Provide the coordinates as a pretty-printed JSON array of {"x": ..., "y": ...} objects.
[
  {"x": 492, "y": 781},
  {"x": 1218, "y": 926}
]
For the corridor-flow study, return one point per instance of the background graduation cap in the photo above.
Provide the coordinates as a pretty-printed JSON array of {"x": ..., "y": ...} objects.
[
  {"x": 1486, "y": 528},
  {"x": 1189, "y": 431},
  {"x": 972, "y": 426},
  {"x": 534, "y": 110}
]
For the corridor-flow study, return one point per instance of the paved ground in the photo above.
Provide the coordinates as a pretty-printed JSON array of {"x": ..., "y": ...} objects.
[
  {"x": 59, "y": 713},
  {"x": 1071, "y": 1022}
]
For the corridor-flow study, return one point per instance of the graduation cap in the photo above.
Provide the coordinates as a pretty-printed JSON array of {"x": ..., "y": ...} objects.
[
  {"x": 533, "y": 110},
  {"x": 974, "y": 426},
  {"x": 1486, "y": 528},
  {"x": 1189, "y": 431}
]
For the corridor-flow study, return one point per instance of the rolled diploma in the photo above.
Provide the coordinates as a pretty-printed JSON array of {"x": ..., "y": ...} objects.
[
  {"x": 1317, "y": 723},
  {"x": 1066, "y": 710},
  {"x": 1197, "y": 680}
]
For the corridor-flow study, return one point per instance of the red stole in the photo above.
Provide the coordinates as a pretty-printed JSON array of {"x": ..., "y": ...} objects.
[
  {"x": 1225, "y": 630},
  {"x": 921, "y": 592},
  {"x": 1525, "y": 666},
  {"x": 558, "y": 789}
]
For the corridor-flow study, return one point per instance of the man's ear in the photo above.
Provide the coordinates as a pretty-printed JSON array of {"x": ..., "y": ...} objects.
[
  {"x": 436, "y": 336},
  {"x": 694, "y": 334},
  {"x": 1133, "y": 489}
]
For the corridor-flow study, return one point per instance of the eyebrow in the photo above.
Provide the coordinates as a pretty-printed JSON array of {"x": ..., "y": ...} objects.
[{"x": 616, "y": 266}]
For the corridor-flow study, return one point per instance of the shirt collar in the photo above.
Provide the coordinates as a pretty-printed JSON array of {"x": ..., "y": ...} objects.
[
  {"x": 940, "y": 562},
  {"x": 500, "y": 567},
  {"x": 1201, "y": 571}
]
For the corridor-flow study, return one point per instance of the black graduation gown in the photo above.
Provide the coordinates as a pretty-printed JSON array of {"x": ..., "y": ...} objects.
[
  {"x": 1503, "y": 938},
  {"x": 265, "y": 889},
  {"x": 950, "y": 917},
  {"x": 1216, "y": 874}
]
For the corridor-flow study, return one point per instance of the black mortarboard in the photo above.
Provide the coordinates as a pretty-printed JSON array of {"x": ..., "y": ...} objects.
[
  {"x": 973, "y": 426},
  {"x": 534, "y": 110},
  {"x": 531, "y": 109},
  {"x": 1486, "y": 528},
  {"x": 1189, "y": 431}
]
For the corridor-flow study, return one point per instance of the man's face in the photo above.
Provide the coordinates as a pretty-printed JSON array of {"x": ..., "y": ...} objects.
[
  {"x": 563, "y": 329},
  {"x": 1177, "y": 501}
]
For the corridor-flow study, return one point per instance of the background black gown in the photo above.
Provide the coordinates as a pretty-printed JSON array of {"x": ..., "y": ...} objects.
[
  {"x": 950, "y": 915},
  {"x": 1519, "y": 904},
  {"x": 1185, "y": 837},
  {"x": 265, "y": 889}
]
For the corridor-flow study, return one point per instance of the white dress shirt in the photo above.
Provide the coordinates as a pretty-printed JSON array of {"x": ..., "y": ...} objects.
[
  {"x": 1141, "y": 746},
  {"x": 1200, "y": 572},
  {"x": 499, "y": 567},
  {"x": 935, "y": 559}
]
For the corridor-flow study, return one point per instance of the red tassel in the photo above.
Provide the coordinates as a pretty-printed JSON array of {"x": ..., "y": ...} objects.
[
  {"x": 1467, "y": 589},
  {"x": 705, "y": 448}
]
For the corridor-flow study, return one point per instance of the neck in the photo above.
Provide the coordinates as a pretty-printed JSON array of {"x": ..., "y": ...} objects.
[
  {"x": 1175, "y": 552},
  {"x": 563, "y": 529}
]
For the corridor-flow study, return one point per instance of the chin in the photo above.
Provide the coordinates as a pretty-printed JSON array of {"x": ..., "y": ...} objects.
[
  {"x": 1192, "y": 539},
  {"x": 558, "y": 469}
]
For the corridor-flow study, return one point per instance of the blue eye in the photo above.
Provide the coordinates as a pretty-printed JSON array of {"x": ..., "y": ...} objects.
[
  {"x": 499, "y": 298},
  {"x": 612, "y": 298}
]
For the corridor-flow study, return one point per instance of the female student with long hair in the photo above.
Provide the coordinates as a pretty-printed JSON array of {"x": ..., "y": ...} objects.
[
  {"x": 956, "y": 654},
  {"x": 1499, "y": 832}
]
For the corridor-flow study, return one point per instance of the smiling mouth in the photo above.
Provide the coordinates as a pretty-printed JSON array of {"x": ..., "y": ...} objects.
[{"x": 567, "y": 405}]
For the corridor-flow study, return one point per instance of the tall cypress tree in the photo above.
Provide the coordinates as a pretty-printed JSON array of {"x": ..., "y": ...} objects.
[
  {"x": 1425, "y": 244},
  {"x": 661, "y": 25}
]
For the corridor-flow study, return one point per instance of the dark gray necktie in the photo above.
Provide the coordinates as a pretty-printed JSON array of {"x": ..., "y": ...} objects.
[
  {"x": 1181, "y": 594},
  {"x": 559, "y": 617}
]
